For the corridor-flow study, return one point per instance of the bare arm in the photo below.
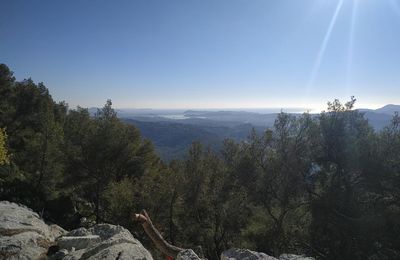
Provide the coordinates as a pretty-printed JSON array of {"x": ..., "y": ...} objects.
[{"x": 155, "y": 235}]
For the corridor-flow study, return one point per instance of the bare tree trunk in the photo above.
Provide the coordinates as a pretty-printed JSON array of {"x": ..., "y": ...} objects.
[{"x": 156, "y": 237}]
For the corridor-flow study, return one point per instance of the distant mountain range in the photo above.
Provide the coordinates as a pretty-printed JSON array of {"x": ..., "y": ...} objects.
[
  {"x": 173, "y": 131},
  {"x": 381, "y": 117},
  {"x": 388, "y": 109}
]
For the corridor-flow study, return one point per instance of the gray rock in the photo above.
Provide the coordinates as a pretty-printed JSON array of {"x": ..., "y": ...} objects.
[
  {"x": 9, "y": 249},
  {"x": 79, "y": 242},
  {"x": 294, "y": 257},
  {"x": 244, "y": 254},
  {"x": 78, "y": 232},
  {"x": 56, "y": 231},
  {"x": 106, "y": 231},
  {"x": 111, "y": 242},
  {"x": 187, "y": 254},
  {"x": 16, "y": 218},
  {"x": 23, "y": 234},
  {"x": 119, "y": 251},
  {"x": 59, "y": 255}
]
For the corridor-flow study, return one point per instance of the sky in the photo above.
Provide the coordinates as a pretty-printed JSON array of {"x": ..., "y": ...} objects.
[{"x": 206, "y": 53}]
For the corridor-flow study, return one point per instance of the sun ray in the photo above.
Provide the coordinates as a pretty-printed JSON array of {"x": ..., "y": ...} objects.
[
  {"x": 350, "y": 51},
  {"x": 324, "y": 44}
]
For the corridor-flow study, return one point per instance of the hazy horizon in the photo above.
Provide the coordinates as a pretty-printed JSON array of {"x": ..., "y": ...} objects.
[{"x": 261, "y": 110}]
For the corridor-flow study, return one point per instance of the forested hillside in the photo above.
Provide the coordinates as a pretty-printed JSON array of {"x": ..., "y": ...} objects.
[
  {"x": 327, "y": 186},
  {"x": 172, "y": 139}
]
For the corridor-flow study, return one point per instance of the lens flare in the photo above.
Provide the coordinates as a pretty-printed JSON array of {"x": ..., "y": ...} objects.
[
  {"x": 350, "y": 51},
  {"x": 324, "y": 44}
]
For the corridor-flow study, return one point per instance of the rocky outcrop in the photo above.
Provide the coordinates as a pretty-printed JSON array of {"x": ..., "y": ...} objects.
[
  {"x": 23, "y": 234},
  {"x": 294, "y": 257},
  {"x": 77, "y": 243},
  {"x": 187, "y": 254},
  {"x": 245, "y": 254},
  {"x": 103, "y": 241}
]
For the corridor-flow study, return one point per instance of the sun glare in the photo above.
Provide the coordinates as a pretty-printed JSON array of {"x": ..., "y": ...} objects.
[
  {"x": 350, "y": 51},
  {"x": 324, "y": 44},
  {"x": 395, "y": 6}
]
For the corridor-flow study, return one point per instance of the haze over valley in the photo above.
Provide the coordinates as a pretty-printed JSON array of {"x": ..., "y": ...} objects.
[{"x": 172, "y": 131}]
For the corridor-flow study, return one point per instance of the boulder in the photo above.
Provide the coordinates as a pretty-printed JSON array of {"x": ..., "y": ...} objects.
[
  {"x": 102, "y": 241},
  {"x": 56, "y": 231},
  {"x": 294, "y": 257},
  {"x": 187, "y": 254},
  {"x": 23, "y": 234},
  {"x": 77, "y": 242},
  {"x": 245, "y": 254}
]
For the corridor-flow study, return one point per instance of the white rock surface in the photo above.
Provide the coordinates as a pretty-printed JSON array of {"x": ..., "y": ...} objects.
[
  {"x": 245, "y": 254},
  {"x": 294, "y": 257},
  {"x": 106, "y": 242},
  {"x": 187, "y": 254},
  {"x": 23, "y": 234},
  {"x": 68, "y": 242}
]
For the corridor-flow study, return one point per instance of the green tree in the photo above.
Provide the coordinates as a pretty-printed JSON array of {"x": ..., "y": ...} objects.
[
  {"x": 34, "y": 131},
  {"x": 3, "y": 149},
  {"x": 102, "y": 150},
  {"x": 282, "y": 158},
  {"x": 212, "y": 210},
  {"x": 339, "y": 201}
]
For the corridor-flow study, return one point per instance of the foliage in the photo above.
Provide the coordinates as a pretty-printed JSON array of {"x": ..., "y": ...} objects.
[{"x": 4, "y": 157}]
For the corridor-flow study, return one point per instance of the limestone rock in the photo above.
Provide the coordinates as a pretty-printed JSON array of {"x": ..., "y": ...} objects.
[
  {"x": 294, "y": 257},
  {"x": 79, "y": 232},
  {"x": 69, "y": 242},
  {"x": 23, "y": 234},
  {"x": 56, "y": 231},
  {"x": 16, "y": 219},
  {"x": 106, "y": 242},
  {"x": 244, "y": 254},
  {"x": 187, "y": 254}
]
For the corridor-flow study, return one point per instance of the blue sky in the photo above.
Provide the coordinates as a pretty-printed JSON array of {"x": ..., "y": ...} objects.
[{"x": 206, "y": 53}]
